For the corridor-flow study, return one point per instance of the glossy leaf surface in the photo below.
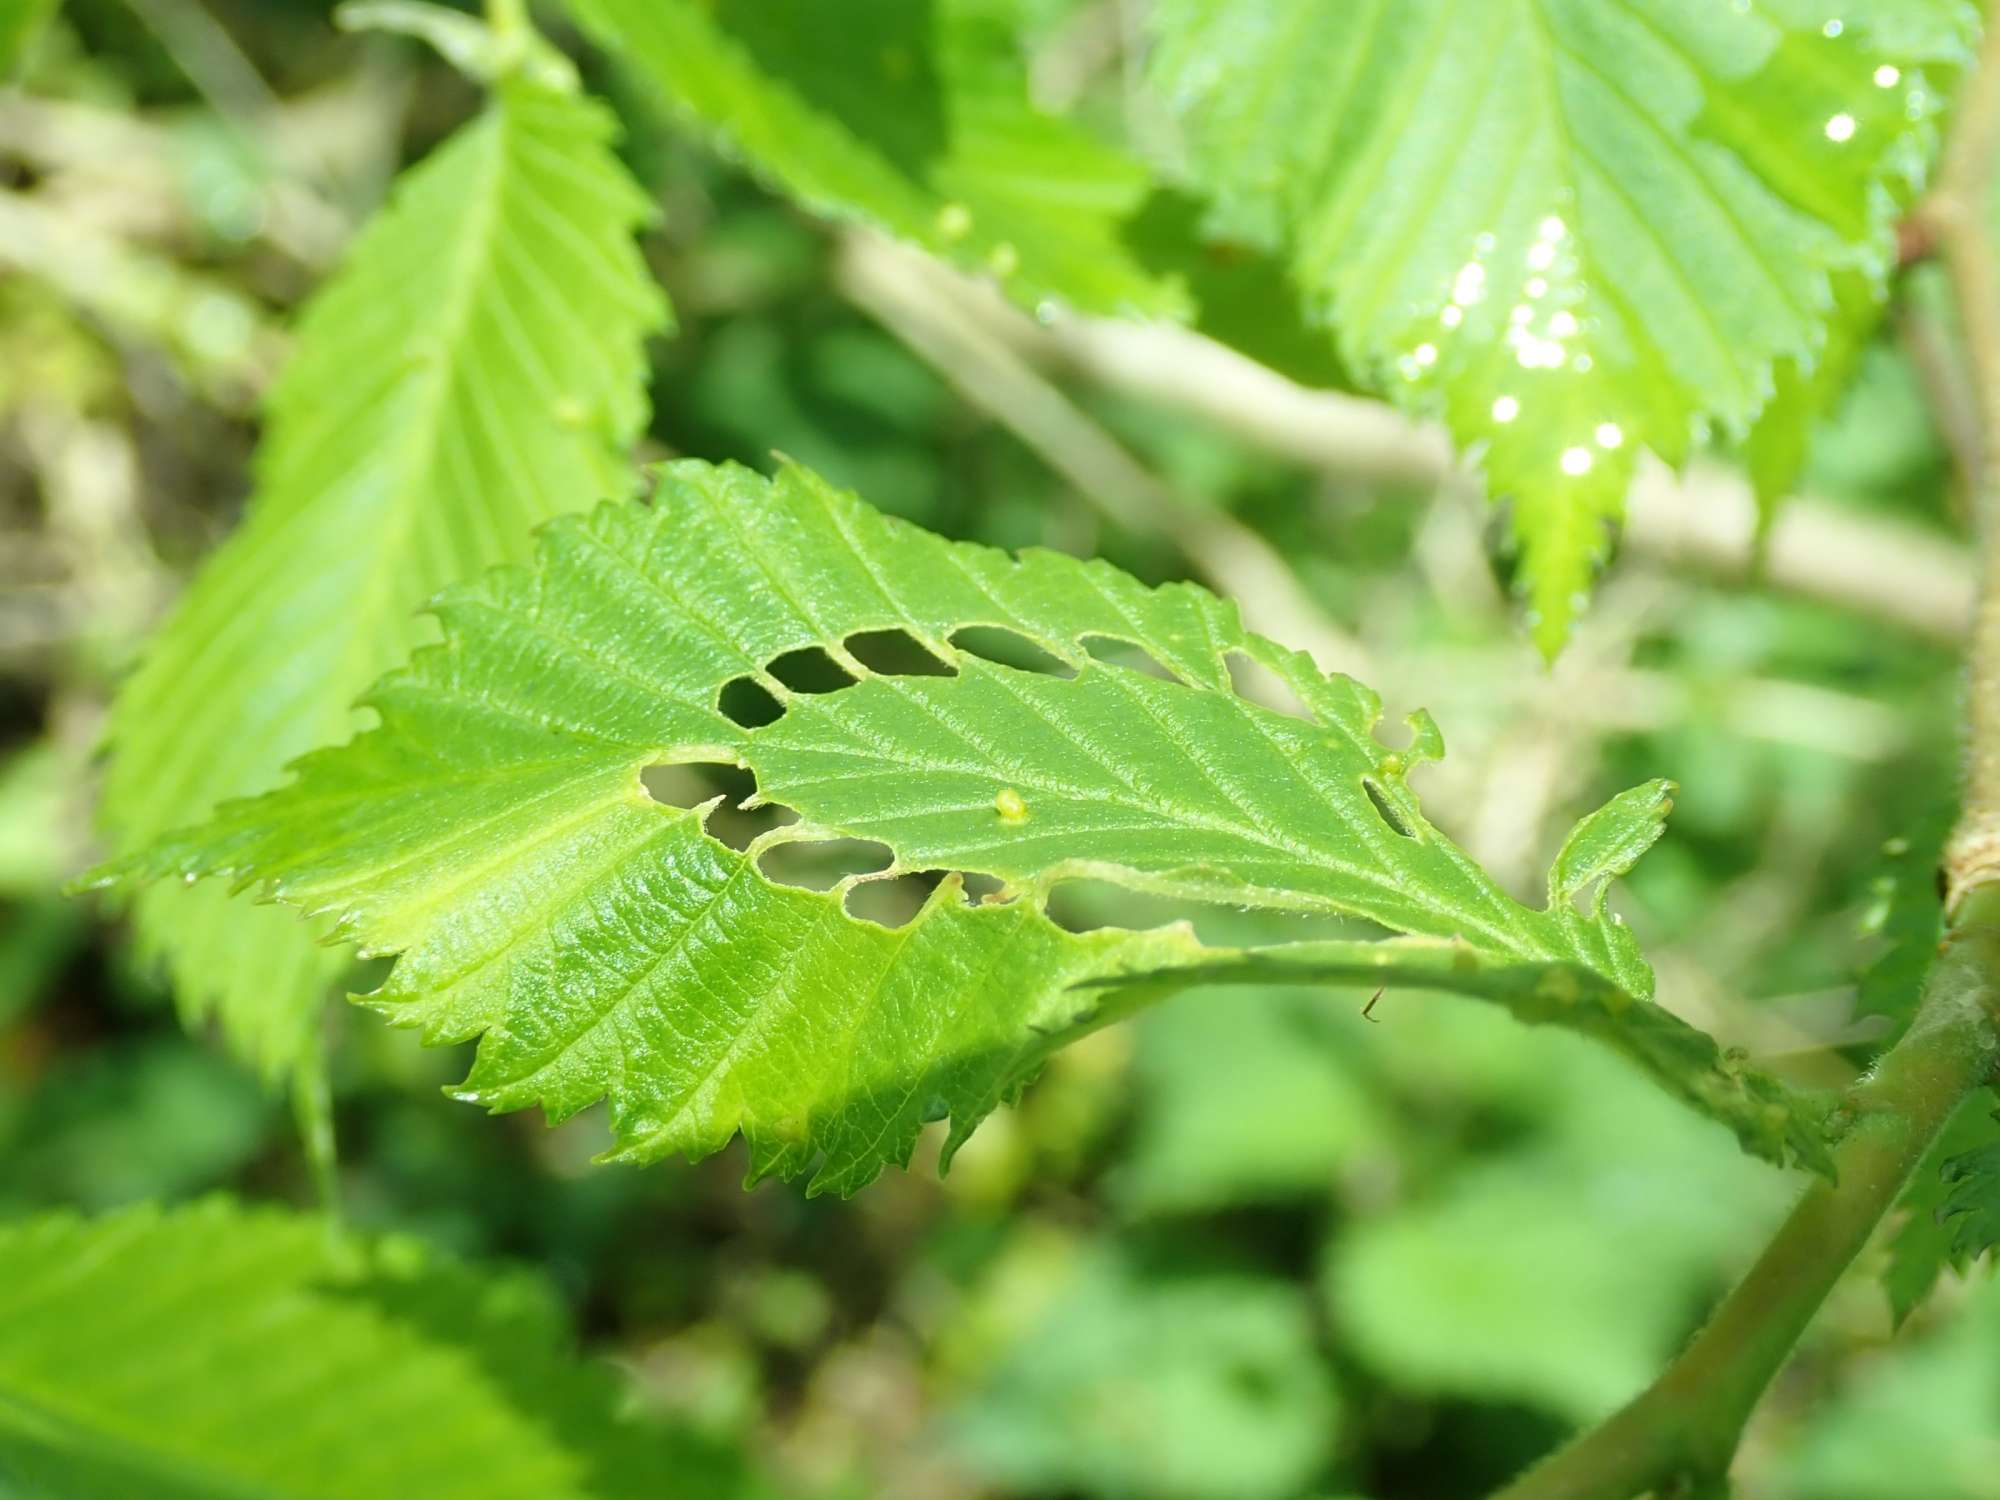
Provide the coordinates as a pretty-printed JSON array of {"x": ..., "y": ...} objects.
[{"x": 1574, "y": 229}]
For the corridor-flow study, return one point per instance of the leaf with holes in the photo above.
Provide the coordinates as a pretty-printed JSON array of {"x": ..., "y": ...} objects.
[
  {"x": 909, "y": 115},
  {"x": 1573, "y": 228},
  {"x": 473, "y": 369},
  {"x": 216, "y": 1352},
  {"x": 495, "y": 829}
]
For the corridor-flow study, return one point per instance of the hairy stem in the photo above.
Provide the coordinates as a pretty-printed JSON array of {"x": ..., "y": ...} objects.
[{"x": 1683, "y": 1431}]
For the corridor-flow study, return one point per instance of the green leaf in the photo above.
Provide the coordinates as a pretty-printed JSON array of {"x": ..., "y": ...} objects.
[
  {"x": 1245, "y": 1103},
  {"x": 1905, "y": 919},
  {"x": 21, "y": 23},
  {"x": 1608, "y": 843},
  {"x": 1137, "y": 1379},
  {"x": 1805, "y": 393},
  {"x": 909, "y": 115},
  {"x": 1951, "y": 1208},
  {"x": 1558, "y": 1263},
  {"x": 472, "y": 370},
  {"x": 496, "y": 832},
  {"x": 219, "y": 1353},
  {"x": 1574, "y": 229},
  {"x": 156, "y": 1115},
  {"x": 1972, "y": 1199},
  {"x": 1917, "y": 1418}
]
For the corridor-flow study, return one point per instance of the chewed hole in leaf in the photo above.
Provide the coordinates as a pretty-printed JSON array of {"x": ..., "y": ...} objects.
[
  {"x": 980, "y": 889},
  {"x": 1009, "y": 648},
  {"x": 821, "y": 864},
  {"x": 1386, "y": 809},
  {"x": 1260, "y": 685},
  {"x": 1087, "y": 905},
  {"x": 810, "y": 670},
  {"x": 1120, "y": 653},
  {"x": 895, "y": 653},
  {"x": 690, "y": 784},
  {"x": 891, "y": 903},
  {"x": 748, "y": 704}
]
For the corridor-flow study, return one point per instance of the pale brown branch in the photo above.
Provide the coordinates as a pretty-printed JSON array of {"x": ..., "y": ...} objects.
[{"x": 1705, "y": 520}]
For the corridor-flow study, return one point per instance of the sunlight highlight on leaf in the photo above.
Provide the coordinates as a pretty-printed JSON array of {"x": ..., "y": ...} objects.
[{"x": 1576, "y": 230}]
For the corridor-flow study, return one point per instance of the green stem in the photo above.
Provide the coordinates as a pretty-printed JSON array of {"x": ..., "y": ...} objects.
[{"x": 1681, "y": 1433}]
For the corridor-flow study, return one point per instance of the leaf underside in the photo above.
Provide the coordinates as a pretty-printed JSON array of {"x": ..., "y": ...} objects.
[
  {"x": 496, "y": 832},
  {"x": 196, "y": 1354},
  {"x": 473, "y": 369},
  {"x": 1574, "y": 229}
]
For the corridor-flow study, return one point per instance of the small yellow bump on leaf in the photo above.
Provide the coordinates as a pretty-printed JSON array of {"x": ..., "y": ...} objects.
[
  {"x": 1010, "y": 806},
  {"x": 1004, "y": 259}
]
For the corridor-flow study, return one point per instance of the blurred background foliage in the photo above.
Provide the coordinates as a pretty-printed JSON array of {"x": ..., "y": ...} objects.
[{"x": 1252, "y": 1247}]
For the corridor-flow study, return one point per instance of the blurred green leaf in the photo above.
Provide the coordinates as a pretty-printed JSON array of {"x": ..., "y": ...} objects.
[
  {"x": 21, "y": 22},
  {"x": 1951, "y": 1208},
  {"x": 141, "y": 1118},
  {"x": 196, "y": 1355},
  {"x": 1905, "y": 920},
  {"x": 1559, "y": 1270},
  {"x": 1148, "y": 1381},
  {"x": 1804, "y": 391},
  {"x": 474, "y": 369},
  {"x": 911, "y": 115},
  {"x": 1917, "y": 1421},
  {"x": 1242, "y": 1102},
  {"x": 37, "y": 837}
]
